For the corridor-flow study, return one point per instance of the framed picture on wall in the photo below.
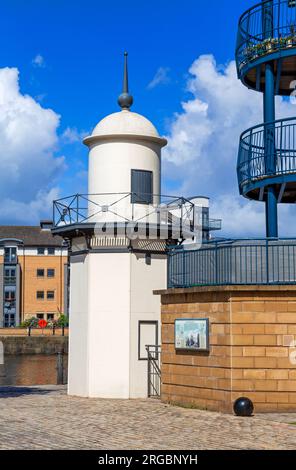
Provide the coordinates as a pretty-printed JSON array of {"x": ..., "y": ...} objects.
[{"x": 192, "y": 334}]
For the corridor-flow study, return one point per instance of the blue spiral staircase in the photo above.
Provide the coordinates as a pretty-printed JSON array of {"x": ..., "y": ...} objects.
[{"x": 266, "y": 62}]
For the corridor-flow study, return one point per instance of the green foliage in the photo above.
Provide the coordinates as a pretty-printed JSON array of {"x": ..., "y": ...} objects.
[
  {"x": 30, "y": 322},
  {"x": 270, "y": 44},
  {"x": 62, "y": 320}
]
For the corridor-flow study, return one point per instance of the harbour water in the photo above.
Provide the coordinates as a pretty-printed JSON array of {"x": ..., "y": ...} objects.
[{"x": 31, "y": 369}]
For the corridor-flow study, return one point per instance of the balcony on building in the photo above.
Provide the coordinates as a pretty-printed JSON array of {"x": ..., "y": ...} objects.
[
  {"x": 267, "y": 33},
  {"x": 90, "y": 212}
]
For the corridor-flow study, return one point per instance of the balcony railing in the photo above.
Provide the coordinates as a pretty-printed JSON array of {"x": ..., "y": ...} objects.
[
  {"x": 267, "y": 150},
  {"x": 234, "y": 262},
  {"x": 265, "y": 28},
  {"x": 10, "y": 259},
  {"x": 111, "y": 208},
  {"x": 9, "y": 280}
]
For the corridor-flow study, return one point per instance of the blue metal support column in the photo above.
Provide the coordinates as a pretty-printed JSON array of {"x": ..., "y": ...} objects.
[
  {"x": 269, "y": 138},
  {"x": 270, "y": 154}
]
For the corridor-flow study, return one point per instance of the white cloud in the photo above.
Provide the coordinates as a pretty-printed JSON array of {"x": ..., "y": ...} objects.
[
  {"x": 72, "y": 135},
  {"x": 30, "y": 212},
  {"x": 160, "y": 78},
  {"x": 28, "y": 141},
  {"x": 38, "y": 61},
  {"x": 203, "y": 144}
]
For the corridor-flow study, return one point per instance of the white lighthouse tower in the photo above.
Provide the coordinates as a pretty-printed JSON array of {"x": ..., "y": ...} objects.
[{"x": 118, "y": 235}]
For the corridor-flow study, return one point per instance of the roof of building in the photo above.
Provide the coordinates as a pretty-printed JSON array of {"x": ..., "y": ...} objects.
[
  {"x": 30, "y": 235},
  {"x": 125, "y": 122}
]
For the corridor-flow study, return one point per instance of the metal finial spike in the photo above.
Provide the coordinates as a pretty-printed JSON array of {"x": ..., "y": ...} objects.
[
  {"x": 125, "y": 75},
  {"x": 125, "y": 100}
]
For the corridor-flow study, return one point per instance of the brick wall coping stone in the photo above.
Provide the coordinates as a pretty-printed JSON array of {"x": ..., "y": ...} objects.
[{"x": 227, "y": 288}]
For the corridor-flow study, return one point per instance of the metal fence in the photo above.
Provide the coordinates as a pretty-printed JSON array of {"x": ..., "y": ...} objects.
[
  {"x": 267, "y": 149},
  {"x": 153, "y": 371},
  {"x": 264, "y": 28},
  {"x": 234, "y": 262}
]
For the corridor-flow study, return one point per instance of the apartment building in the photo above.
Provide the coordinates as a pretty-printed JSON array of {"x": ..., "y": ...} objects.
[{"x": 33, "y": 274}]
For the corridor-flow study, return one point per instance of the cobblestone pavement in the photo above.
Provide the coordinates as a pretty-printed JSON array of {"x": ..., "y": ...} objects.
[{"x": 46, "y": 418}]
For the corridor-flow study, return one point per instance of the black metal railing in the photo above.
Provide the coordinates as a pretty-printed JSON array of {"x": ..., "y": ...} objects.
[
  {"x": 234, "y": 262},
  {"x": 267, "y": 27},
  {"x": 85, "y": 208},
  {"x": 153, "y": 371}
]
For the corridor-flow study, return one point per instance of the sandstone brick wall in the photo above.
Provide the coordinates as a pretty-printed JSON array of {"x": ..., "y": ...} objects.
[
  {"x": 34, "y": 332},
  {"x": 251, "y": 330}
]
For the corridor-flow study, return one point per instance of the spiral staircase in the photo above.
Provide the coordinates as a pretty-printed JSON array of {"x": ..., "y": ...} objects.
[{"x": 266, "y": 63}]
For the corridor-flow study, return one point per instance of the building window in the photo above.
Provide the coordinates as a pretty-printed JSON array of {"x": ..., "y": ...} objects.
[
  {"x": 40, "y": 272},
  {"x": 50, "y": 316},
  {"x": 50, "y": 294},
  {"x": 9, "y": 299},
  {"x": 9, "y": 276},
  {"x": 9, "y": 254},
  {"x": 50, "y": 273},
  {"x": 40, "y": 294},
  {"x": 51, "y": 250},
  {"x": 40, "y": 316},
  {"x": 40, "y": 250},
  {"x": 141, "y": 187}
]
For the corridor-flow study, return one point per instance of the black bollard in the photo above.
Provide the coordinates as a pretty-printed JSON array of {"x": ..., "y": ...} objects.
[
  {"x": 60, "y": 368},
  {"x": 243, "y": 407}
]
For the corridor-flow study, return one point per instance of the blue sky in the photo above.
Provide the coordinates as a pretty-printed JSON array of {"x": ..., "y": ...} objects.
[
  {"x": 82, "y": 42},
  {"x": 69, "y": 57}
]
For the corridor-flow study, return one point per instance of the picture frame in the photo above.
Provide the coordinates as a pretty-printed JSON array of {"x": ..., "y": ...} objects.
[{"x": 192, "y": 334}]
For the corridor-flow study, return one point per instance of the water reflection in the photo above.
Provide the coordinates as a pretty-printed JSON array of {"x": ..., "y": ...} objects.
[{"x": 33, "y": 369}]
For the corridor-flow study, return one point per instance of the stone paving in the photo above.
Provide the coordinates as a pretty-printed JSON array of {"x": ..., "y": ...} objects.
[{"x": 46, "y": 418}]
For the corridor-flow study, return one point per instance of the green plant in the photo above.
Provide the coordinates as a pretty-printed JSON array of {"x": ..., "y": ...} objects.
[
  {"x": 29, "y": 322},
  {"x": 62, "y": 320}
]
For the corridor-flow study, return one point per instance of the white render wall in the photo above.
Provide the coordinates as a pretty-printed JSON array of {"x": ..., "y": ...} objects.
[
  {"x": 110, "y": 165},
  {"x": 104, "y": 338},
  {"x": 78, "y": 325},
  {"x": 145, "y": 306}
]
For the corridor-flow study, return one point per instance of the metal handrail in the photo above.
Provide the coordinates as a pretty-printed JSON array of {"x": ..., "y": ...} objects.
[
  {"x": 252, "y": 39},
  {"x": 153, "y": 371},
  {"x": 234, "y": 262},
  {"x": 254, "y": 154},
  {"x": 76, "y": 208}
]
